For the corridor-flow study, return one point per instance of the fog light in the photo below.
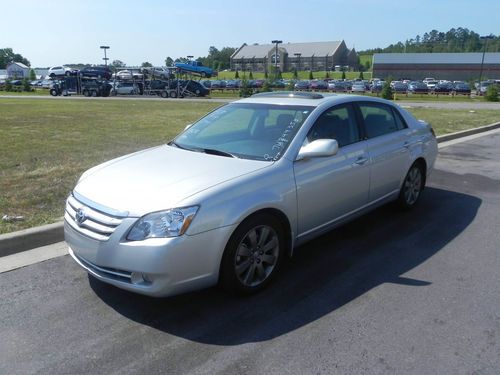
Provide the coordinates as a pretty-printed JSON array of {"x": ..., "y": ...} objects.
[{"x": 136, "y": 278}]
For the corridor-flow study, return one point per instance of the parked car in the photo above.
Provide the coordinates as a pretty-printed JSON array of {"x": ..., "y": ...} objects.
[
  {"x": 158, "y": 72},
  {"x": 339, "y": 86},
  {"x": 376, "y": 86},
  {"x": 216, "y": 84},
  {"x": 431, "y": 84},
  {"x": 197, "y": 88},
  {"x": 97, "y": 72},
  {"x": 61, "y": 71},
  {"x": 461, "y": 88},
  {"x": 418, "y": 87},
  {"x": 358, "y": 87},
  {"x": 196, "y": 67},
  {"x": 127, "y": 74},
  {"x": 317, "y": 84},
  {"x": 232, "y": 195},
  {"x": 400, "y": 87},
  {"x": 207, "y": 83},
  {"x": 124, "y": 88},
  {"x": 302, "y": 85},
  {"x": 483, "y": 87},
  {"x": 233, "y": 84},
  {"x": 443, "y": 88}
]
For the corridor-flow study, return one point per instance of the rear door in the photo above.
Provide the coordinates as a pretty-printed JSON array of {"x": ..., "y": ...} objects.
[{"x": 387, "y": 139}]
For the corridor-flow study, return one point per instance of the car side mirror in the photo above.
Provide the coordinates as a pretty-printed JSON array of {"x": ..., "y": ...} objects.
[{"x": 318, "y": 148}]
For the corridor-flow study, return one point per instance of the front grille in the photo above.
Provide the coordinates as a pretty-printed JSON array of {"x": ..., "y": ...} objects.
[{"x": 97, "y": 225}]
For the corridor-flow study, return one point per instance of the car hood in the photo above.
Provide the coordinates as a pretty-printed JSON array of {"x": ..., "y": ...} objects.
[{"x": 157, "y": 179}]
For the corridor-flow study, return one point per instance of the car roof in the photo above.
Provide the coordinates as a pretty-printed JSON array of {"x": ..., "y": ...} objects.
[{"x": 307, "y": 98}]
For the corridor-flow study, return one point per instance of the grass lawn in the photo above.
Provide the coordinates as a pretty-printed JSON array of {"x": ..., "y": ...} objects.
[{"x": 47, "y": 144}]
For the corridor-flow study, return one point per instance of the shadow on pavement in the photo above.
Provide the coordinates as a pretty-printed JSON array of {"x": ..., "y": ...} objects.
[{"x": 323, "y": 275}]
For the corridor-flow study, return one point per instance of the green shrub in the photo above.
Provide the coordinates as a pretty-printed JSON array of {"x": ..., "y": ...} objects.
[
  {"x": 245, "y": 90},
  {"x": 250, "y": 75},
  {"x": 266, "y": 87},
  {"x": 26, "y": 85},
  {"x": 311, "y": 75},
  {"x": 236, "y": 75},
  {"x": 343, "y": 74},
  {"x": 491, "y": 94},
  {"x": 386, "y": 92}
]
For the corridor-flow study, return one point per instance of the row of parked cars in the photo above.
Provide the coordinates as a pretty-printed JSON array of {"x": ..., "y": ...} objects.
[{"x": 354, "y": 86}]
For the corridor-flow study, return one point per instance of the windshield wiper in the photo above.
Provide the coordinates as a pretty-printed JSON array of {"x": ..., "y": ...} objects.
[
  {"x": 213, "y": 151},
  {"x": 175, "y": 144},
  {"x": 210, "y": 151}
]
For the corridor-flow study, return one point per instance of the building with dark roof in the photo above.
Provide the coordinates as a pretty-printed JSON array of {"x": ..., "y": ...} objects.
[
  {"x": 302, "y": 56},
  {"x": 450, "y": 66}
]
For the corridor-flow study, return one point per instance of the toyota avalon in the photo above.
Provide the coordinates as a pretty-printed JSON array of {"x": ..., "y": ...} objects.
[{"x": 232, "y": 195}]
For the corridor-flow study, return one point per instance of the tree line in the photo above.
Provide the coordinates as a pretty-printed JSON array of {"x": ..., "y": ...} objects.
[{"x": 454, "y": 40}]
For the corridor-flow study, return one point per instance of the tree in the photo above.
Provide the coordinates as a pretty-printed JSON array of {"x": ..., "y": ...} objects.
[
  {"x": 245, "y": 89},
  {"x": 311, "y": 74},
  {"x": 118, "y": 64},
  {"x": 295, "y": 73},
  {"x": 32, "y": 75},
  {"x": 361, "y": 75},
  {"x": 236, "y": 75},
  {"x": 386, "y": 92},
  {"x": 491, "y": 93},
  {"x": 343, "y": 74},
  {"x": 169, "y": 61},
  {"x": 146, "y": 64},
  {"x": 7, "y": 56},
  {"x": 250, "y": 75},
  {"x": 26, "y": 85}
]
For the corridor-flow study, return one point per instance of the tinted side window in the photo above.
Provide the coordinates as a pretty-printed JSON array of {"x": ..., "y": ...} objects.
[
  {"x": 400, "y": 122},
  {"x": 379, "y": 119},
  {"x": 337, "y": 123}
]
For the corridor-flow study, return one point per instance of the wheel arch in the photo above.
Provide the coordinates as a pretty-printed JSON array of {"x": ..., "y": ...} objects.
[
  {"x": 423, "y": 164},
  {"x": 283, "y": 219}
]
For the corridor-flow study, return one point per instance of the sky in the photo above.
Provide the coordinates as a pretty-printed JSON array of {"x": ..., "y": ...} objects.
[{"x": 54, "y": 32}]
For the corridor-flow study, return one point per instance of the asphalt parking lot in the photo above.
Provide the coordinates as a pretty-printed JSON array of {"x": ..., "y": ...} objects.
[{"x": 392, "y": 292}]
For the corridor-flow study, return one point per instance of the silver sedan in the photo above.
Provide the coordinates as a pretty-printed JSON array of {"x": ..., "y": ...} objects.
[{"x": 234, "y": 193}]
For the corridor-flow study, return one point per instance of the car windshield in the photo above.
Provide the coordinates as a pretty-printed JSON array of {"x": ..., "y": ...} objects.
[{"x": 245, "y": 130}]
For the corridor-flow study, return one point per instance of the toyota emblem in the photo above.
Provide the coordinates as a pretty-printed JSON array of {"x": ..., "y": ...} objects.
[{"x": 80, "y": 216}]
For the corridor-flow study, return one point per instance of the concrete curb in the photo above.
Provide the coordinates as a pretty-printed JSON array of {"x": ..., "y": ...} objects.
[
  {"x": 27, "y": 239},
  {"x": 465, "y": 133}
]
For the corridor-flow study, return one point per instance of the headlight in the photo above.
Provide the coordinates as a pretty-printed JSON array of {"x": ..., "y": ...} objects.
[{"x": 169, "y": 223}]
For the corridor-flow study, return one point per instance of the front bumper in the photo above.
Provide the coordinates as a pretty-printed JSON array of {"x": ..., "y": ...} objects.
[{"x": 165, "y": 266}]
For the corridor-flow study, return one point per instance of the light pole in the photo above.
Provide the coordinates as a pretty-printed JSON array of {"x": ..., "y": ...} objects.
[
  {"x": 105, "y": 58},
  {"x": 276, "y": 57},
  {"x": 485, "y": 38}
]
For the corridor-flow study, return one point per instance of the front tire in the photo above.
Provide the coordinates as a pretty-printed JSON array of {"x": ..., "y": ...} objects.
[
  {"x": 253, "y": 254},
  {"x": 413, "y": 185}
]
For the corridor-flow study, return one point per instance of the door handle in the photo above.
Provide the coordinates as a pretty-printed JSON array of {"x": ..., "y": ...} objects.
[{"x": 361, "y": 161}]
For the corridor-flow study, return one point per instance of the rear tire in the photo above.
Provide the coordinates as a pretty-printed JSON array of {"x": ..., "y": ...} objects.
[
  {"x": 412, "y": 187},
  {"x": 253, "y": 255},
  {"x": 173, "y": 94}
]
